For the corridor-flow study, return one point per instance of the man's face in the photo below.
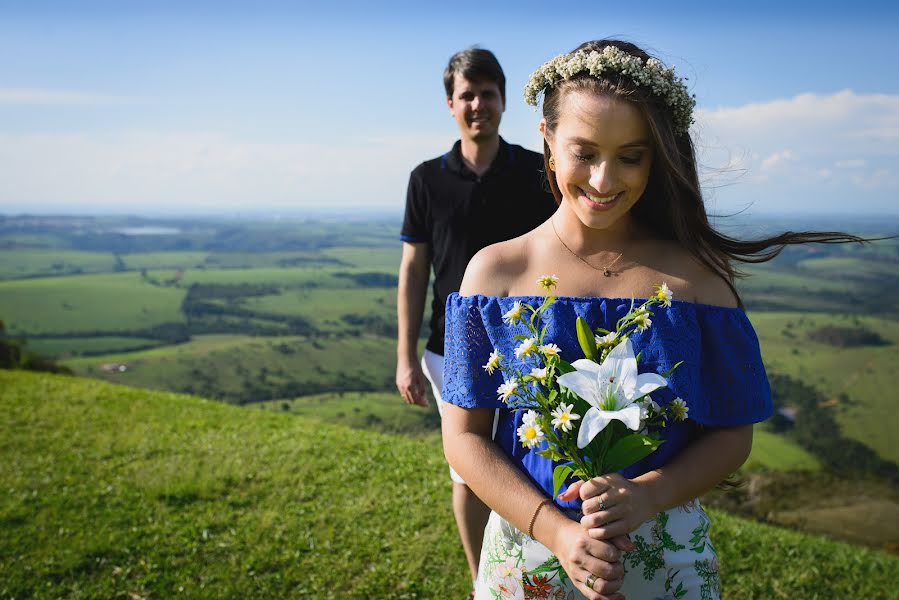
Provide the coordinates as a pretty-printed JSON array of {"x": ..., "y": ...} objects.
[{"x": 477, "y": 107}]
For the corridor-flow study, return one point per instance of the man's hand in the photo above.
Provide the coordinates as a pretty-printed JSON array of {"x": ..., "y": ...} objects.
[{"x": 411, "y": 382}]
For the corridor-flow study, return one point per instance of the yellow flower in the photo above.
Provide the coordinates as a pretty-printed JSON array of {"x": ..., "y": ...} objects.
[
  {"x": 530, "y": 434},
  {"x": 550, "y": 350},
  {"x": 564, "y": 417},
  {"x": 606, "y": 340},
  {"x": 493, "y": 362},
  {"x": 664, "y": 295},
  {"x": 679, "y": 409},
  {"x": 539, "y": 375},
  {"x": 548, "y": 282},
  {"x": 642, "y": 320},
  {"x": 506, "y": 390},
  {"x": 527, "y": 347},
  {"x": 513, "y": 315}
]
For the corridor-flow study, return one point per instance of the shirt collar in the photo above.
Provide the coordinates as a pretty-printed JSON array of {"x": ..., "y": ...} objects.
[{"x": 452, "y": 160}]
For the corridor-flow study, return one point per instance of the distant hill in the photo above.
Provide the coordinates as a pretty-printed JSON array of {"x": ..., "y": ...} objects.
[{"x": 111, "y": 491}]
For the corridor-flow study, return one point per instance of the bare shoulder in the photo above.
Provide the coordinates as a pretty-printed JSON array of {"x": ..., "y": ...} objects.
[
  {"x": 711, "y": 288},
  {"x": 692, "y": 281},
  {"x": 493, "y": 269}
]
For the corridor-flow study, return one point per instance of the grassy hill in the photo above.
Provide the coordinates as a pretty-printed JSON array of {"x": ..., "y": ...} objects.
[
  {"x": 111, "y": 491},
  {"x": 854, "y": 379}
]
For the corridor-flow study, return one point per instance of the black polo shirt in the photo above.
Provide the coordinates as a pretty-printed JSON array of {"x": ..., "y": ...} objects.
[{"x": 457, "y": 213}]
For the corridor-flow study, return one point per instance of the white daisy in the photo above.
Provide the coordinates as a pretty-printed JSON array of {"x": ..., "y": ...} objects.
[{"x": 563, "y": 417}]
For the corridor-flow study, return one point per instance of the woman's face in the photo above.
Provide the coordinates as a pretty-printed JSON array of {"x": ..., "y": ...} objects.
[{"x": 603, "y": 152}]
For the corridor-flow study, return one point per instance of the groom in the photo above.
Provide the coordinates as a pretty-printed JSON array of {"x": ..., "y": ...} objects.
[{"x": 482, "y": 191}]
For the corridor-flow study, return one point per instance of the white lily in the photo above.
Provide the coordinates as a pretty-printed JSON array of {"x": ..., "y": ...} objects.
[{"x": 611, "y": 389}]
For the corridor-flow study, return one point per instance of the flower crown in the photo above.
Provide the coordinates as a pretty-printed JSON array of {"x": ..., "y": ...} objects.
[{"x": 650, "y": 74}]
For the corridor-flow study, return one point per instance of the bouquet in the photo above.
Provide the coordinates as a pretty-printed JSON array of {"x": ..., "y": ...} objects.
[{"x": 595, "y": 414}]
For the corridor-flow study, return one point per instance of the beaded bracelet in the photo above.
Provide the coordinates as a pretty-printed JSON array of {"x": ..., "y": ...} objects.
[{"x": 543, "y": 503}]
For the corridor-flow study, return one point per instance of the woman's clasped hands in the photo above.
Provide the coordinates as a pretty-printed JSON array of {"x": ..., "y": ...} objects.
[{"x": 591, "y": 552}]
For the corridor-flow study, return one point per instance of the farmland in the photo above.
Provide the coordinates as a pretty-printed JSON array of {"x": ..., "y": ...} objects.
[{"x": 299, "y": 318}]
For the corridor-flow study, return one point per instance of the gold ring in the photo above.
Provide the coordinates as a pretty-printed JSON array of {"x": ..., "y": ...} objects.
[{"x": 590, "y": 581}]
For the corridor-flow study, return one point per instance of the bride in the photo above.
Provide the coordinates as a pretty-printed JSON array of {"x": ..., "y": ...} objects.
[{"x": 621, "y": 165}]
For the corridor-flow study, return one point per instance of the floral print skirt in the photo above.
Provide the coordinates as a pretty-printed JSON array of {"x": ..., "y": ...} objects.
[{"x": 674, "y": 559}]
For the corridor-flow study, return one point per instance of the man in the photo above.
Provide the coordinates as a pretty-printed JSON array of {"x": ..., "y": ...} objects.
[{"x": 481, "y": 192}]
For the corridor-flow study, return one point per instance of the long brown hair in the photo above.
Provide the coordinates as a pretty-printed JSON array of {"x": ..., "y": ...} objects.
[{"x": 672, "y": 206}]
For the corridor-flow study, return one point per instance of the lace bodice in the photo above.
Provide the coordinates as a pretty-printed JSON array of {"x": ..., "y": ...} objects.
[{"x": 722, "y": 378}]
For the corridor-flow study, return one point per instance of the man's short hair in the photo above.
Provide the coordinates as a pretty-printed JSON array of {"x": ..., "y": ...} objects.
[{"x": 474, "y": 64}]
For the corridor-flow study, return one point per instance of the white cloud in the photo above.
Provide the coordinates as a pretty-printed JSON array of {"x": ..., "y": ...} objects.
[
  {"x": 205, "y": 171},
  {"x": 46, "y": 97},
  {"x": 808, "y": 152},
  {"x": 854, "y": 163},
  {"x": 804, "y": 152},
  {"x": 778, "y": 158}
]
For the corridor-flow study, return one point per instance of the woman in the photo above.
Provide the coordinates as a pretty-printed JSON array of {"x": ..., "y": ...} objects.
[{"x": 621, "y": 165}]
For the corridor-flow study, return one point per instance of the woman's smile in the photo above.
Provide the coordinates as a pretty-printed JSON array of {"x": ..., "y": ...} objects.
[{"x": 597, "y": 202}]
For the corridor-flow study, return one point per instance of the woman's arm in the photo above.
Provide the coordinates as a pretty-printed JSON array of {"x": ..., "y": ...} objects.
[
  {"x": 491, "y": 475},
  {"x": 614, "y": 505}
]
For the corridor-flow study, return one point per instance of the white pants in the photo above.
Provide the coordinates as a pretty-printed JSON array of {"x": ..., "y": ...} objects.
[{"x": 432, "y": 365}]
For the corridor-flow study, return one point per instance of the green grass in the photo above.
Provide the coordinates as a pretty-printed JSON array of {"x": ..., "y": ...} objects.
[
  {"x": 773, "y": 451},
  {"x": 848, "y": 267},
  {"x": 372, "y": 411},
  {"x": 324, "y": 308},
  {"x": 225, "y": 260},
  {"x": 280, "y": 276},
  {"x": 19, "y": 263},
  {"x": 244, "y": 369},
  {"x": 375, "y": 259},
  {"x": 865, "y": 374},
  {"x": 164, "y": 260},
  {"x": 115, "y": 492},
  {"x": 57, "y": 347},
  {"x": 107, "y": 302},
  {"x": 111, "y": 491}
]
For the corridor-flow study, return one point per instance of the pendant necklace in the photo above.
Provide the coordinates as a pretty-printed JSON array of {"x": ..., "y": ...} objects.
[{"x": 606, "y": 271}]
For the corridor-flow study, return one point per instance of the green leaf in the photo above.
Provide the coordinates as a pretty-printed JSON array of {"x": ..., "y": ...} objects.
[
  {"x": 586, "y": 339},
  {"x": 671, "y": 370},
  {"x": 548, "y": 566},
  {"x": 560, "y": 475},
  {"x": 629, "y": 450},
  {"x": 564, "y": 367},
  {"x": 551, "y": 454},
  {"x": 520, "y": 337}
]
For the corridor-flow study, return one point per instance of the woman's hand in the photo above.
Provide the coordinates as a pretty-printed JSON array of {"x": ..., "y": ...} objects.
[
  {"x": 586, "y": 559},
  {"x": 613, "y": 506}
]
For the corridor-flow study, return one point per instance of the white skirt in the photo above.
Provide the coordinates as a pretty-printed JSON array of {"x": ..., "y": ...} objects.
[{"x": 674, "y": 559}]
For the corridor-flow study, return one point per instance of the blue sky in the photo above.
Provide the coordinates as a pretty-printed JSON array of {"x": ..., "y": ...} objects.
[{"x": 277, "y": 107}]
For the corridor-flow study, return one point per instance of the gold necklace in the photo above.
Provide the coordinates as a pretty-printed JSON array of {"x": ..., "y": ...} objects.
[{"x": 606, "y": 271}]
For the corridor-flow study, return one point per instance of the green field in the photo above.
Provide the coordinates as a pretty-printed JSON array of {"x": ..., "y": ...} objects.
[
  {"x": 773, "y": 451},
  {"x": 63, "y": 347},
  {"x": 376, "y": 259},
  {"x": 282, "y": 276},
  {"x": 115, "y": 492},
  {"x": 847, "y": 267},
  {"x": 866, "y": 375},
  {"x": 326, "y": 308},
  {"x": 16, "y": 264},
  {"x": 242, "y": 369},
  {"x": 80, "y": 303},
  {"x": 300, "y": 317},
  {"x": 384, "y": 412}
]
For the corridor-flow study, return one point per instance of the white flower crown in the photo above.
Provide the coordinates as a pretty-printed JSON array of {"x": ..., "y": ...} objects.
[{"x": 651, "y": 74}]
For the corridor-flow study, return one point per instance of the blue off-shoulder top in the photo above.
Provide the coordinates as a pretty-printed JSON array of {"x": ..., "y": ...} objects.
[{"x": 722, "y": 378}]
